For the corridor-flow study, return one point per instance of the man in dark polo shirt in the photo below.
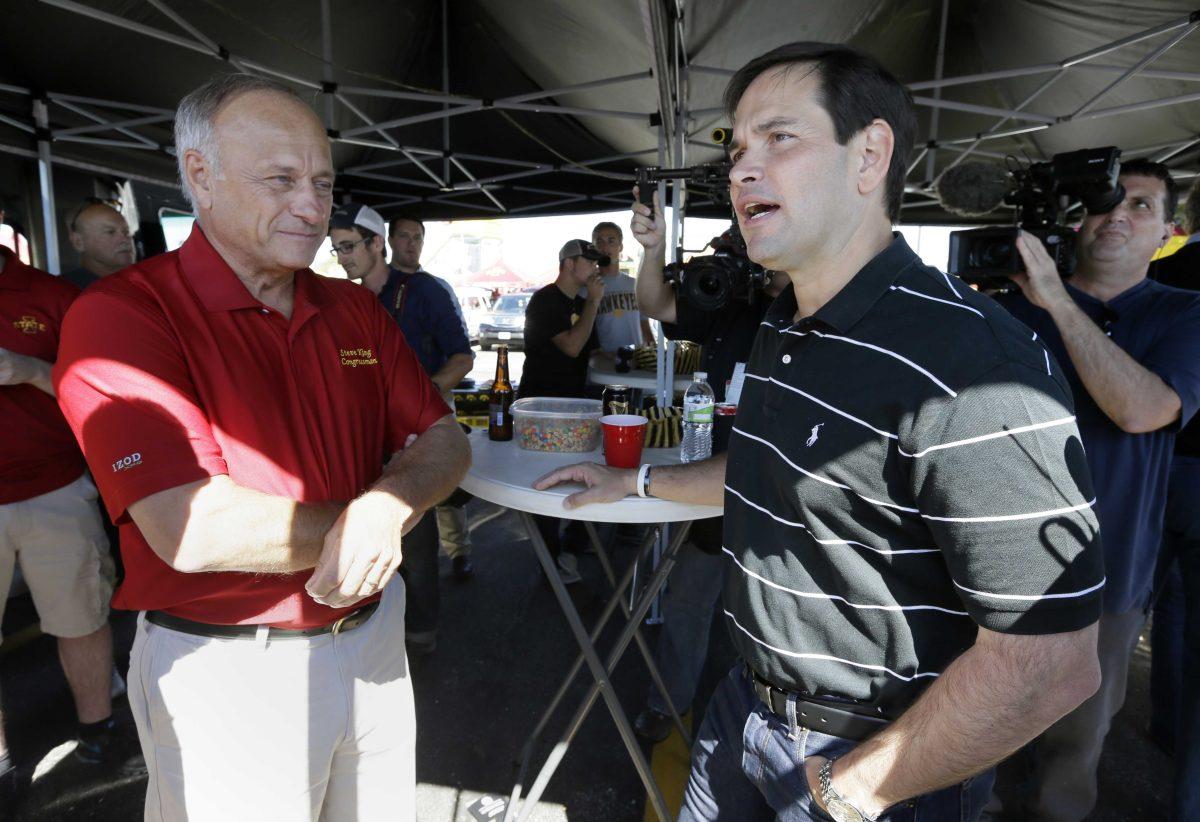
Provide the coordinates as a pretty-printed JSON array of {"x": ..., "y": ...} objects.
[
  {"x": 249, "y": 425},
  {"x": 102, "y": 237},
  {"x": 1130, "y": 349},
  {"x": 914, "y": 569},
  {"x": 1175, "y": 654},
  {"x": 49, "y": 521}
]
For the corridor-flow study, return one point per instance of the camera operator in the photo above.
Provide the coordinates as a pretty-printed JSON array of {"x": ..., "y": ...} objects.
[
  {"x": 1128, "y": 347},
  {"x": 914, "y": 572},
  {"x": 726, "y": 337},
  {"x": 1175, "y": 646}
]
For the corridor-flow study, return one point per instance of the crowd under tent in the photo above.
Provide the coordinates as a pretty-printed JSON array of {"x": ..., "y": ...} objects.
[{"x": 496, "y": 108}]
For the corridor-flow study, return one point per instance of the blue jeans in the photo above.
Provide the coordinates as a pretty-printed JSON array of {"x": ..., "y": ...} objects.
[
  {"x": 748, "y": 765},
  {"x": 1180, "y": 616},
  {"x": 688, "y": 607}
]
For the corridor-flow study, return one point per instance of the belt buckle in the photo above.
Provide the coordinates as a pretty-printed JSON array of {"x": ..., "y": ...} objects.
[{"x": 337, "y": 626}]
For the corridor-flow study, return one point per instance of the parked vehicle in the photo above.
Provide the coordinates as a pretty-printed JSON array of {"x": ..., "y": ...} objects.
[
  {"x": 505, "y": 323},
  {"x": 476, "y": 305}
]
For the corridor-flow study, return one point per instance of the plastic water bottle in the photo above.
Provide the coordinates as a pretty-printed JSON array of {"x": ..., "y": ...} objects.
[{"x": 698, "y": 403}]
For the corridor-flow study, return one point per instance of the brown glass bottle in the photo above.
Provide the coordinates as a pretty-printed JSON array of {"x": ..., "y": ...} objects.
[{"x": 500, "y": 419}]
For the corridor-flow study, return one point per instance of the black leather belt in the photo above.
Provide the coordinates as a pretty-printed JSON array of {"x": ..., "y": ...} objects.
[
  {"x": 348, "y": 622},
  {"x": 852, "y": 721}
]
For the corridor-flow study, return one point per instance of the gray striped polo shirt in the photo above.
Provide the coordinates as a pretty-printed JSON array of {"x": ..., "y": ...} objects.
[{"x": 905, "y": 466}]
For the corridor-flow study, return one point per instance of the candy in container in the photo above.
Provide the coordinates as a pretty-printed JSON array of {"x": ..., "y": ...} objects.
[{"x": 557, "y": 424}]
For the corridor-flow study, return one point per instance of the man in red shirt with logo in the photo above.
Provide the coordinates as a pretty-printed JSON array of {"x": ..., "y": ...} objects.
[
  {"x": 49, "y": 521},
  {"x": 247, "y": 422}
]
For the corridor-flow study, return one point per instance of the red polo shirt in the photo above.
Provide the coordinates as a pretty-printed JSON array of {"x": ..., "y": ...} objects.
[
  {"x": 38, "y": 454},
  {"x": 170, "y": 372}
]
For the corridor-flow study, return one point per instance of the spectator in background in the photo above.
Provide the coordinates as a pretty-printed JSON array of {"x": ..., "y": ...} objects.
[
  {"x": 452, "y": 360},
  {"x": 1175, "y": 657},
  {"x": 102, "y": 237},
  {"x": 1128, "y": 347},
  {"x": 49, "y": 520},
  {"x": 357, "y": 234},
  {"x": 618, "y": 320},
  {"x": 560, "y": 335}
]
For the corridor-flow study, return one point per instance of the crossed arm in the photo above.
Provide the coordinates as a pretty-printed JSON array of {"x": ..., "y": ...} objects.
[
  {"x": 18, "y": 369},
  {"x": 354, "y": 546}
]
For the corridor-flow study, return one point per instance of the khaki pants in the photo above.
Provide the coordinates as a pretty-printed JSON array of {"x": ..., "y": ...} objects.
[
  {"x": 59, "y": 541},
  {"x": 287, "y": 729}
]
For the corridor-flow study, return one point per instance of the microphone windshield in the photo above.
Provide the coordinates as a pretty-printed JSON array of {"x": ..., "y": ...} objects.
[{"x": 973, "y": 189}]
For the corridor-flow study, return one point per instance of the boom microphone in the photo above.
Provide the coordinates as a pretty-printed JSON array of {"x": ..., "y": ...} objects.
[{"x": 973, "y": 189}]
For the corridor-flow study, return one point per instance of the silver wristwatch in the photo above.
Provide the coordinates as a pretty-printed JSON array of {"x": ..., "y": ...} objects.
[{"x": 835, "y": 805}]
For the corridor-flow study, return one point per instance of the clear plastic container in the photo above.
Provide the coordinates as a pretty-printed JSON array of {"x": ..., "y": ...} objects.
[{"x": 557, "y": 424}]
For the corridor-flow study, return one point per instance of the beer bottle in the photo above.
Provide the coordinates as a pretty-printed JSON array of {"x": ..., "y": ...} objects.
[{"x": 500, "y": 419}]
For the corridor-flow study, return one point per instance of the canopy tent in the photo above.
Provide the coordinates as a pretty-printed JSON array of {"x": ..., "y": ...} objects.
[
  {"x": 498, "y": 275},
  {"x": 494, "y": 108}
]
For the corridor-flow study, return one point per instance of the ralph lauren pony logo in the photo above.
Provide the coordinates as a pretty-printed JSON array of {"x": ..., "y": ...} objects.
[{"x": 29, "y": 325}]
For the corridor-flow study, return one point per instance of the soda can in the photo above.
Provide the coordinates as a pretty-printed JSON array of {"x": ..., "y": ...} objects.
[{"x": 616, "y": 399}]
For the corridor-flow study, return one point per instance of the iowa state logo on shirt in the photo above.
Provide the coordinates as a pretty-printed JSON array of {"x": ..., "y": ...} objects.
[
  {"x": 29, "y": 325},
  {"x": 354, "y": 357}
]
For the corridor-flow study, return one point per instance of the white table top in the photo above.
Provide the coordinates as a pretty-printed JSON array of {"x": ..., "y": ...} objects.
[
  {"x": 503, "y": 473},
  {"x": 603, "y": 371}
]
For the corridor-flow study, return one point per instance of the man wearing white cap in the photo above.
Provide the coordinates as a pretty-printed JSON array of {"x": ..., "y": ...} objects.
[{"x": 425, "y": 313}]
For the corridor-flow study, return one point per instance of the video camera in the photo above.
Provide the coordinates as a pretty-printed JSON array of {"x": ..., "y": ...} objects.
[
  {"x": 1042, "y": 193},
  {"x": 712, "y": 281}
]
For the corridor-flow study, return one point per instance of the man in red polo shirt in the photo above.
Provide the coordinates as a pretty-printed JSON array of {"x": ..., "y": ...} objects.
[
  {"x": 49, "y": 521},
  {"x": 246, "y": 421}
]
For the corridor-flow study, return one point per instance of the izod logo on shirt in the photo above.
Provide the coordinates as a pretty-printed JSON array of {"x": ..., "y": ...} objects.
[
  {"x": 354, "y": 357},
  {"x": 29, "y": 325},
  {"x": 132, "y": 461}
]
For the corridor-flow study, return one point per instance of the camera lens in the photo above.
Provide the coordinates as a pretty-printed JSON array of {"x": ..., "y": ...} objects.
[{"x": 996, "y": 253}]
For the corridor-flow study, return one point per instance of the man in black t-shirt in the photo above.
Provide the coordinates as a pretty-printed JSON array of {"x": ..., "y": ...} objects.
[
  {"x": 560, "y": 334},
  {"x": 560, "y": 329}
]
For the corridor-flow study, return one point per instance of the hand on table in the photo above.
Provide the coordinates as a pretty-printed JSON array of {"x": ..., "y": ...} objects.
[
  {"x": 604, "y": 484},
  {"x": 362, "y": 550}
]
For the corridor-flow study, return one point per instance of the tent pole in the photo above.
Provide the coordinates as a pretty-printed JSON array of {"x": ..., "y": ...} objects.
[
  {"x": 213, "y": 46},
  {"x": 1142, "y": 106},
  {"x": 1178, "y": 149},
  {"x": 939, "y": 65},
  {"x": 106, "y": 125},
  {"x": 1136, "y": 68},
  {"x": 41, "y": 119},
  {"x": 555, "y": 92},
  {"x": 972, "y": 108},
  {"x": 327, "y": 62},
  {"x": 96, "y": 118},
  {"x": 446, "y": 90},
  {"x": 471, "y": 177},
  {"x": 994, "y": 132}
]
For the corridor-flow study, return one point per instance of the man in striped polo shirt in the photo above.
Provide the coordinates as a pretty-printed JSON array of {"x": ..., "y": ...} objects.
[{"x": 915, "y": 568}]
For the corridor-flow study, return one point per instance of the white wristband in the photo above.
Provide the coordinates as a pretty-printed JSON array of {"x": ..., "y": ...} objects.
[{"x": 641, "y": 480}]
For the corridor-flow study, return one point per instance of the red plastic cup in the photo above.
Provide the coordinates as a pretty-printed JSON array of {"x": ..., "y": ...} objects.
[{"x": 624, "y": 436}]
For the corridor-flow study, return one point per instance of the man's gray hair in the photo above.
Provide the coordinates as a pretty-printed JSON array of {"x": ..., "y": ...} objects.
[{"x": 196, "y": 112}]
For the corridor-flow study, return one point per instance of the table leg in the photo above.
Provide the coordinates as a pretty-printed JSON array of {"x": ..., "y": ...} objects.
[
  {"x": 609, "y": 609},
  {"x": 655, "y": 675},
  {"x": 603, "y": 687},
  {"x": 599, "y": 672}
]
